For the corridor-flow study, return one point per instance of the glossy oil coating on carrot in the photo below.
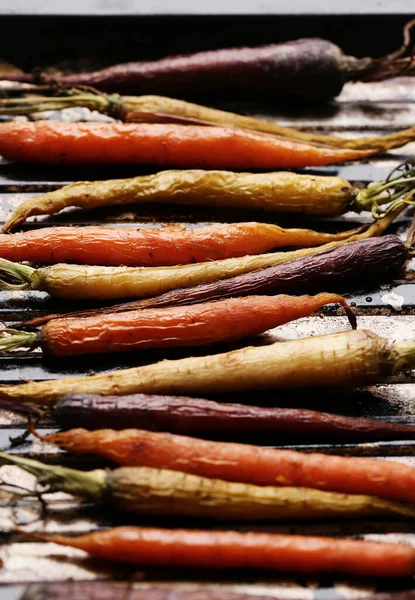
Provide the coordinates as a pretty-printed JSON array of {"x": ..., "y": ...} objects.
[
  {"x": 166, "y": 246},
  {"x": 181, "y": 146},
  {"x": 232, "y": 549},
  {"x": 243, "y": 462},
  {"x": 197, "y": 325}
]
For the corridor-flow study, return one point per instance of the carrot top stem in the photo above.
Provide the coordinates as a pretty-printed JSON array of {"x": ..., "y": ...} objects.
[
  {"x": 78, "y": 483},
  {"x": 406, "y": 356},
  {"x": 12, "y": 339},
  {"x": 397, "y": 191},
  {"x": 16, "y": 272}
]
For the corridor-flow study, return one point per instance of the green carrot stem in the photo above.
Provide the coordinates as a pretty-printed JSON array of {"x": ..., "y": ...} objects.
[
  {"x": 77, "y": 483},
  {"x": 394, "y": 191},
  {"x": 406, "y": 356},
  {"x": 14, "y": 339},
  {"x": 15, "y": 271}
]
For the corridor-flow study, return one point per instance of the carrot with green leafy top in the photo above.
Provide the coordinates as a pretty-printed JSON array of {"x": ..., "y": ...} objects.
[{"x": 198, "y": 325}]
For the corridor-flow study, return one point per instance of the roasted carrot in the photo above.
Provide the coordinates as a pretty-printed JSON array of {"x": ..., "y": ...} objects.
[
  {"x": 340, "y": 268},
  {"x": 242, "y": 462},
  {"x": 278, "y": 192},
  {"x": 206, "y": 418},
  {"x": 156, "y": 247},
  {"x": 159, "y": 109},
  {"x": 306, "y": 70},
  {"x": 198, "y": 325},
  {"x": 171, "y": 493},
  {"x": 171, "y": 145},
  {"x": 95, "y": 282},
  {"x": 344, "y": 359},
  {"x": 232, "y": 549}
]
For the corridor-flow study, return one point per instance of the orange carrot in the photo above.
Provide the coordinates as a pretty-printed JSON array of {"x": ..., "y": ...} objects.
[
  {"x": 244, "y": 463},
  {"x": 156, "y": 247},
  {"x": 196, "y": 325},
  {"x": 233, "y": 549},
  {"x": 181, "y": 146}
]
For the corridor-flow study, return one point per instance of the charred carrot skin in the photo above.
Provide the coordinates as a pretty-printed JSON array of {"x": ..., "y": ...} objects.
[
  {"x": 199, "y": 417},
  {"x": 231, "y": 549},
  {"x": 244, "y": 463},
  {"x": 199, "y": 325},
  {"x": 180, "y": 146},
  {"x": 155, "y": 247}
]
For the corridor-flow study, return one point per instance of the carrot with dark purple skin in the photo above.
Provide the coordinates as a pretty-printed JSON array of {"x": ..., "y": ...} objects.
[
  {"x": 309, "y": 69},
  {"x": 232, "y": 549},
  {"x": 156, "y": 247},
  {"x": 170, "y": 145},
  {"x": 199, "y": 417},
  {"x": 244, "y": 463},
  {"x": 356, "y": 264},
  {"x": 198, "y": 325},
  {"x": 98, "y": 282}
]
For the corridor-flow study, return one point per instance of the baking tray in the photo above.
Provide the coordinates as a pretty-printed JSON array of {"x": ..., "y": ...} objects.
[{"x": 389, "y": 311}]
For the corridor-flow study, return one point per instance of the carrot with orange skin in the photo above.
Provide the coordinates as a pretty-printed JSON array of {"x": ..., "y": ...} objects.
[
  {"x": 180, "y": 146},
  {"x": 232, "y": 549},
  {"x": 197, "y": 325},
  {"x": 242, "y": 462},
  {"x": 166, "y": 246}
]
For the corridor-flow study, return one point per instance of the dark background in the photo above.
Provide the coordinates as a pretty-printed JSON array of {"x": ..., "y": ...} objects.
[{"x": 34, "y": 33}]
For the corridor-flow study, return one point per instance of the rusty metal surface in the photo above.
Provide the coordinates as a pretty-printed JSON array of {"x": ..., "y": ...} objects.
[{"x": 388, "y": 311}]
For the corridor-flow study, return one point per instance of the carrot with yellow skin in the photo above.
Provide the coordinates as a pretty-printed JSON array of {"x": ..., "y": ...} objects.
[
  {"x": 97, "y": 282},
  {"x": 156, "y": 247},
  {"x": 147, "y": 491},
  {"x": 232, "y": 549},
  {"x": 197, "y": 325},
  {"x": 161, "y": 109},
  {"x": 242, "y": 462},
  {"x": 282, "y": 192},
  {"x": 344, "y": 359}
]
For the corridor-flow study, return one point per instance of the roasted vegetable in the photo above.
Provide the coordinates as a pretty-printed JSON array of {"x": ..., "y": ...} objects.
[
  {"x": 199, "y": 417},
  {"x": 159, "y": 109},
  {"x": 169, "y": 145},
  {"x": 171, "y": 493},
  {"x": 76, "y": 281},
  {"x": 305, "y": 70},
  {"x": 242, "y": 462},
  {"x": 344, "y": 267},
  {"x": 156, "y": 247},
  {"x": 199, "y": 325},
  {"x": 344, "y": 359},
  {"x": 232, "y": 549},
  {"x": 279, "y": 192}
]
